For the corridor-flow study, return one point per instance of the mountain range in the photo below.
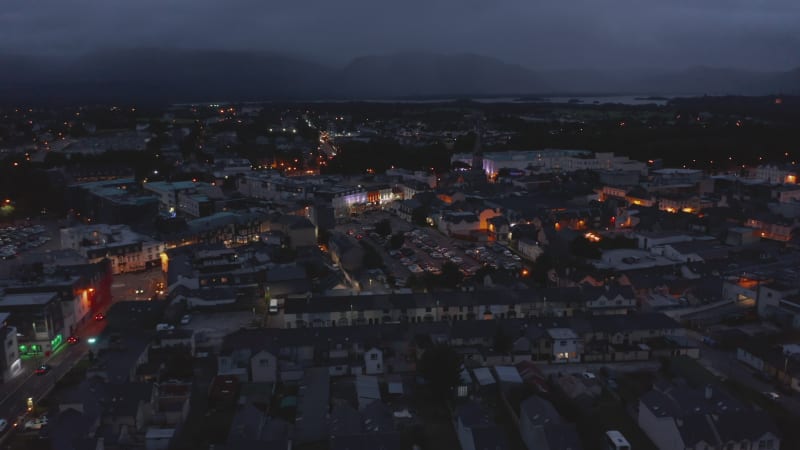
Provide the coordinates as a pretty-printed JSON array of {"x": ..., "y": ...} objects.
[{"x": 170, "y": 75}]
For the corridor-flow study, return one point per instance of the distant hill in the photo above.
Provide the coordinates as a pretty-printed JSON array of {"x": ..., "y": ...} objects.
[
  {"x": 426, "y": 74},
  {"x": 163, "y": 75}
]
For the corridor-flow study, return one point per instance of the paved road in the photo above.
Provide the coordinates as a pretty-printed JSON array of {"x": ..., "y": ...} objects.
[
  {"x": 724, "y": 363},
  {"x": 26, "y": 384}
]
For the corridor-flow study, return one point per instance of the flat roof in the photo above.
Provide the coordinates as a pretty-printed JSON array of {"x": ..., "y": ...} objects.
[
  {"x": 508, "y": 374},
  {"x": 27, "y": 299},
  {"x": 483, "y": 376},
  {"x": 160, "y": 433}
]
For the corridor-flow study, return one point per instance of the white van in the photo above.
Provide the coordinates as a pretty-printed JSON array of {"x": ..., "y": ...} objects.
[{"x": 273, "y": 306}]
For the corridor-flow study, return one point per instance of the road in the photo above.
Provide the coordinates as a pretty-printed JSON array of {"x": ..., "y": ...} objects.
[
  {"x": 14, "y": 394},
  {"x": 724, "y": 363},
  {"x": 126, "y": 285}
]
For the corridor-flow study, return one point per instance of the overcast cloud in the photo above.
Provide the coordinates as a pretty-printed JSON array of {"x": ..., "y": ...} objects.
[{"x": 546, "y": 34}]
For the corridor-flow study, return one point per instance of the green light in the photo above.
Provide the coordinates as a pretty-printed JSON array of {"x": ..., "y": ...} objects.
[
  {"x": 23, "y": 348},
  {"x": 58, "y": 340}
]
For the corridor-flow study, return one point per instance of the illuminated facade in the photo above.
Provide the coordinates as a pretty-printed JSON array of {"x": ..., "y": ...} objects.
[
  {"x": 551, "y": 160},
  {"x": 38, "y": 318}
]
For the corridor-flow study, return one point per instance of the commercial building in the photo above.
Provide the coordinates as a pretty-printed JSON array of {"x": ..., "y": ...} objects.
[
  {"x": 38, "y": 319},
  {"x": 551, "y": 160},
  {"x": 127, "y": 250}
]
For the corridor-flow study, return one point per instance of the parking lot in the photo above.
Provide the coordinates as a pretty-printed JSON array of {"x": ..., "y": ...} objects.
[
  {"x": 17, "y": 239},
  {"x": 425, "y": 249}
]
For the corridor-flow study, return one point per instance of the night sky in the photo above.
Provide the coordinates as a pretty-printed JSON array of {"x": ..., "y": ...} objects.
[{"x": 552, "y": 34}]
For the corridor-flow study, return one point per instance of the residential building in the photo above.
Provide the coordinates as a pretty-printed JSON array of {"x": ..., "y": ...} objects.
[{"x": 698, "y": 419}]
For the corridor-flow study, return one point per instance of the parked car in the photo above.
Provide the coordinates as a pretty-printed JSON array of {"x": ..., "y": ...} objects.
[
  {"x": 772, "y": 396},
  {"x": 36, "y": 424},
  {"x": 188, "y": 318},
  {"x": 43, "y": 369},
  {"x": 3, "y": 425}
]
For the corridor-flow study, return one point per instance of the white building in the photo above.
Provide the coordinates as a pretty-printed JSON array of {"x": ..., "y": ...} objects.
[
  {"x": 566, "y": 345},
  {"x": 373, "y": 362},
  {"x": 128, "y": 251},
  {"x": 264, "y": 367},
  {"x": 552, "y": 160}
]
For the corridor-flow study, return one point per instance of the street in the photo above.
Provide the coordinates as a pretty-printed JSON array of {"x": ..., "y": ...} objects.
[
  {"x": 724, "y": 364},
  {"x": 15, "y": 393}
]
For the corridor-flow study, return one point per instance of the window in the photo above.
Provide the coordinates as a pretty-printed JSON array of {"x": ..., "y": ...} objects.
[
  {"x": 373, "y": 356},
  {"x": 264, "y": 362},
  {"x": 428, "y": 309}
]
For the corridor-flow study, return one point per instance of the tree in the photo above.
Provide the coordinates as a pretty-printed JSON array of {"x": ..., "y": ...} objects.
[
  {"x": 451, "y": 275},
  {"x": 502, "y": 341},
  {"x": 440, "y": 366},
  {"x": 396, "y": 241},
  {"x": 383, "y": 227},
  {"x": 582, "y": 248},
  {"x": 419, "y": 217},
  {"x": 372, "y": 259}
]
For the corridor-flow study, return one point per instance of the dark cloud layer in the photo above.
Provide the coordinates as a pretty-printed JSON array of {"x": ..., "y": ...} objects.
[{"x": 754, "y": 34}]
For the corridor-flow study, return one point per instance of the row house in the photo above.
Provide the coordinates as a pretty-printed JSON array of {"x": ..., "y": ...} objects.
[
  {"x": 430, "y": 307},
  {"x": 773, "y": 228}
]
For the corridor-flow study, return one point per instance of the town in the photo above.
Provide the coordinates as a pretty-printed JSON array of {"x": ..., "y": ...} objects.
[{"x": 443, "y": 274}]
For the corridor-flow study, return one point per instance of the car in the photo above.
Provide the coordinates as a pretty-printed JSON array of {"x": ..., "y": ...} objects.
[
  {"x": 437, "y": 255},
  {"x": 99, "y": 316},
  {"x": 3, "y": 425},
  {"x": 188, "y": 318},
  {"x": 43, "y": 369},
  {"x": 589, "y": 375},
  {"x": 772, "y": 396},
  {"x": 139, "y": 291},
  {"x": 73, "y": 340},
  {"x": 456, "y": 260},
  {"x": 36, "y": 424}
]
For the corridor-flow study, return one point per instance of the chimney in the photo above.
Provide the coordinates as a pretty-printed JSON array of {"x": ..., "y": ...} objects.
[{"x": 708, "y": 392}]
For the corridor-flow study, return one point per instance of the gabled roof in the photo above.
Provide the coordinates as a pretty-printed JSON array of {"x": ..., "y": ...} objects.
[{"x": 641, "y": 321}]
